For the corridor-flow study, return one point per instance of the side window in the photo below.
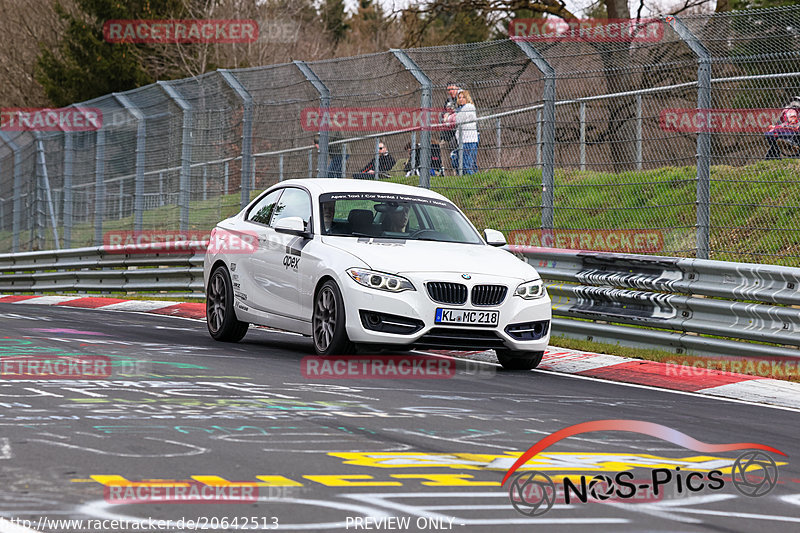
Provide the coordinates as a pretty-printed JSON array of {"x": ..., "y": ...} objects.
[
  {"x": 262, "y": 212},
  {"x": 293, "y": 203}
]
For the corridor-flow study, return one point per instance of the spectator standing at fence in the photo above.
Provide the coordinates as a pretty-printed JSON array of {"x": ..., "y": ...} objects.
[
  {"x": 385, "y": 163},
  {"x": 465, "y": 119},
  {"x": 448, "y": 133},
  {"x": 785, "y": 134}
]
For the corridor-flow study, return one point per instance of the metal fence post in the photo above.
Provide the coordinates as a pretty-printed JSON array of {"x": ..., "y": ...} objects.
[
  {"x": 460, "y": 151},
  {"x": 186, "y": 153},
  {"x": 539, "y": 137},
  {"x": 45, "y": 179},
  {"x": 247, "y": 135},
  {"x": 225, "y": 185},
  {"x": 638, "y": 132},
  {"x": 99, "y": 185},
  {"x": 582, "y": 118},
  {"x": 161, "y": 188},
  {"x": 16, "y": 208},
  {"x": 67, "y": 209},
  {"x": 205, "y": 182},
  {"x": 413, "y": 155},
  {"x": 325, "y": 104},
  {"x": 498, "y": 140},
  {"x": 141, "y": 136},
  {"x": 344, "y": 159},
  {"x": 280, "y": 167},
  {"x": 703, "y": 137},
  {"x": 426, "y": 102},
  {"x": 377, "y": 161},
  {"x": 548, "y": 129}
]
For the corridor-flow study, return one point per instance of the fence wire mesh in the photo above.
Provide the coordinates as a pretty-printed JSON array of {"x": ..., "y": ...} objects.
[{"x": 665, "y": 145}]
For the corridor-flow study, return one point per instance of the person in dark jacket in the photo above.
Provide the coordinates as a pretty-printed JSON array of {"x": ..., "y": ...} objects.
[{"x": 385, "y": 164}]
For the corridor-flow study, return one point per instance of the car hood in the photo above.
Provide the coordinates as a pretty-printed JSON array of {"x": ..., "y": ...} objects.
[{"x": 397, "y": 256}]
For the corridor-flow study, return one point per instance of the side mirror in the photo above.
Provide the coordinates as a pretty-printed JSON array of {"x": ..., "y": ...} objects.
[
  {"x": 292, "y": 226},
  {"x": 494, "y": 237}
]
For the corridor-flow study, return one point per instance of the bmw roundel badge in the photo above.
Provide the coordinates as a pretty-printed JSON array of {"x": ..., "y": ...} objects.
[{"x": 466, "y": 276}]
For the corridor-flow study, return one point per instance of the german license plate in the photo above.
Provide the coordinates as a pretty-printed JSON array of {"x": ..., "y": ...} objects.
[{"x": 470, "y": 317}]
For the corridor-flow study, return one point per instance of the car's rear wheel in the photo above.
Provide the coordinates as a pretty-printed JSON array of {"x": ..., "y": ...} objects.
[
  {"x": 220, "y": 316},
  {"x": 328, "y": 322},
  {"x": 514, "y": 360}
]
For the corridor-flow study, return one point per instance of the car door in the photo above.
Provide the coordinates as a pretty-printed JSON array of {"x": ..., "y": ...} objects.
[{"x": 276, "y": 261}]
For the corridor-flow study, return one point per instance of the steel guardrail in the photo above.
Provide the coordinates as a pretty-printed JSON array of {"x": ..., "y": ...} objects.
[
  {"x": 148, "y": 268},
  {"x": 688, "y": 306}
]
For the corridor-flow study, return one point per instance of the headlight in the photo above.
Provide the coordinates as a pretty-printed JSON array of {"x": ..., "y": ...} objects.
[
  {"x": 530, "y": 290},
  {"x": 380, "y": 281}
]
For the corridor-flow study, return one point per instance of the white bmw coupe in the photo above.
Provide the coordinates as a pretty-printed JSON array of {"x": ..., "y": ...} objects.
[{"x": 383, "y": 265}]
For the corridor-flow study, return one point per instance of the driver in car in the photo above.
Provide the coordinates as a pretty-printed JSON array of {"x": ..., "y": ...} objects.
[{"x": 397, "y": 219}]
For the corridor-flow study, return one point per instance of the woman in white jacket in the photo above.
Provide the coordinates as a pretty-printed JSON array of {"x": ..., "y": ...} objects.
[{"x": 467, "y": 133}]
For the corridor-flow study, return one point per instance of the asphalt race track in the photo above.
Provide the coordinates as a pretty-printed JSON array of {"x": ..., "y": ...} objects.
[{"x": 347, "y": 454}]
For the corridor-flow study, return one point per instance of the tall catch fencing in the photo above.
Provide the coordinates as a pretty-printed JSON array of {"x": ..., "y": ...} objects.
[{"x": 648, "y": 146}]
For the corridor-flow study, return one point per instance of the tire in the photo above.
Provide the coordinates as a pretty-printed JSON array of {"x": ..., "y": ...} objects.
[
  {"x": 513, "y": 360},
  {"x": 220, "y": 316},
  {"x": 328, "y": 322}
]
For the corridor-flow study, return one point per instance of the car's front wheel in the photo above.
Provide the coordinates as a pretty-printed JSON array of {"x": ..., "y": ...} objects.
[
  {"x": 220, "y": 316},
  {"x": 328, "y": 322},
  {"x": 513, "y": 360}
]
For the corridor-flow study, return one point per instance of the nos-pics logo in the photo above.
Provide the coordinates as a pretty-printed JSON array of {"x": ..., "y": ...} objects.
[{"x": 533, "y": 493}]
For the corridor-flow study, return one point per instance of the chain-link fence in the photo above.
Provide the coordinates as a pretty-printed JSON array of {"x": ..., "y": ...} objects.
[{"x": 661, "y": 145}]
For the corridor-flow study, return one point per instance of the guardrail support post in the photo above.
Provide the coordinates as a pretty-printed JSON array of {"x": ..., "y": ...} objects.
[
  {"x": 186, "y": 153},
  {"x": 703, "y": 137},
  {"x": 426, "y": 102},
  {"x": 548, "y": 129},
  {"x": 324, "y": 104},
  {"x": 248, "y": 178},
  {"x": 141, "y": 136},
  {"x": 16, "y": 208}
]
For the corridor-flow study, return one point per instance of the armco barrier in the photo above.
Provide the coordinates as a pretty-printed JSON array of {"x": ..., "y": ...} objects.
[
  {"x": 152, "y": 268},
  {"x": 690, "y": 306}
]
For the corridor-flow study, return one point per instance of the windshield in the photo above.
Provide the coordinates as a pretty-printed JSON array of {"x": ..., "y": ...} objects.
[{"x": 394, "y": 216}]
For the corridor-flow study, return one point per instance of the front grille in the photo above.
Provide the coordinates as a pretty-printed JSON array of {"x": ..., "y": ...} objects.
[
  {"x": 470, "y": 339},
  {"x": 447, "y": 293},
  {"x": 488, "y": 294}
]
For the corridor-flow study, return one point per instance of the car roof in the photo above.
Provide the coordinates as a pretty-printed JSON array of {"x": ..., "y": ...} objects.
[{"x": 317, "y": 186}]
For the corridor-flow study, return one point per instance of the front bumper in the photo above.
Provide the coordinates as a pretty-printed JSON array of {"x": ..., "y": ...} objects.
[{"x": 408, "y": 318}]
